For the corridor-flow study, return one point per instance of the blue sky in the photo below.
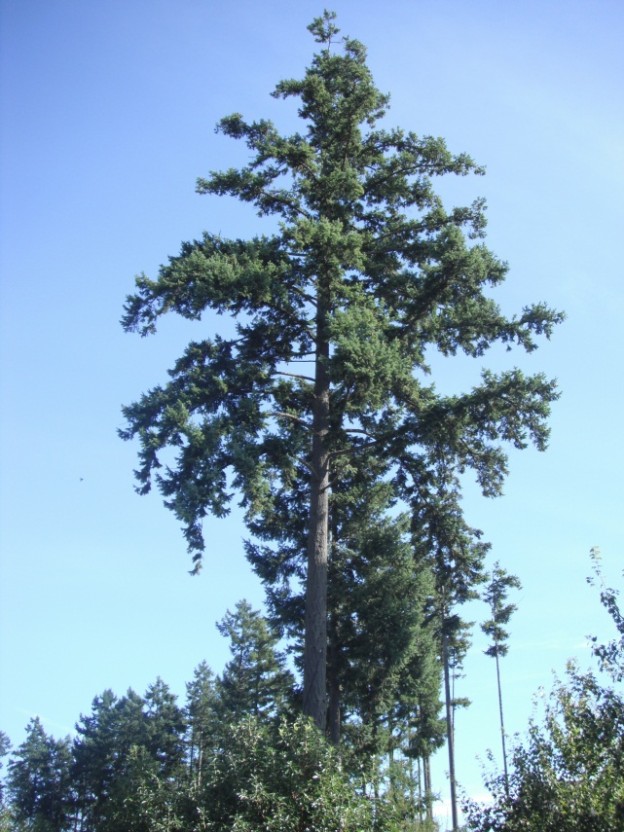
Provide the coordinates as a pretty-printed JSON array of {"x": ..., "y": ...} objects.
[{"x": 108, "y": 112}]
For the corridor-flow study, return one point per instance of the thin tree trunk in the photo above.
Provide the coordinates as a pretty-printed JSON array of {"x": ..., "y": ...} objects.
[
  {"x": 428, "y": 790},
  {"x": 200, "y": 763},
  {"x": 419, "y": 787},
  {"x": 315, "y": 647},
  {"x": 412, "y": 787},
  {"x": 376, "y": 775},
  {"x": 502, "y": 724},
  {"x": 315, "y": 654},
  {"x": 192, "y": 753},
  {"x": 334, "y": 716},
  {"x": 449, "y": 732}
]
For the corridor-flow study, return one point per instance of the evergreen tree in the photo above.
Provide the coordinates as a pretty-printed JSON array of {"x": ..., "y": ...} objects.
[
  {"x": 495, "y": 596},
  {"x": 39, "y": 784},
  {"x": 365, "y": 546},
  {"x": 255, "y": 682},
  {"x": 103, "y": 742},
  {"x": 143, "y": 799},
  {"x": 202, "y": 719},
  {"x": 166, "y": 727},
  {"x": 366, "y": 273},
  {"x": 377, "y": 602},
  {"x": 132, "y": 740}
]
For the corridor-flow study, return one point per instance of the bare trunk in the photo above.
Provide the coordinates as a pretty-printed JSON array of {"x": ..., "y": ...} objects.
[
  {"x": 315, "y": 649},
  {"x": 450, "y": 732},
  {"x": 315, "y": 655},
  {"x": 419, "y": 786},
  {"x": 334, "y": 716},
  {"x": 502, "y": 725},
  {"x": 428, "y": 791},
  {"x": 200, "y": 763}
]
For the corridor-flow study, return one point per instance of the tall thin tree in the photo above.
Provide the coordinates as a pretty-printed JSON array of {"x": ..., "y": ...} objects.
[{"x": 495, "y": 596}]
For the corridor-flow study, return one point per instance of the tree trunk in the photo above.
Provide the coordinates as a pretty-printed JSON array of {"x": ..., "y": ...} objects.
[
  {"x": 419, "y": 786},
  {"x": 315, "y": 648},
  {"x": 334, "y": 716},
  {"x": 502, "y": 724},
  {"x": 449, "y": 731},
  {"x": 428, "y": 790}
]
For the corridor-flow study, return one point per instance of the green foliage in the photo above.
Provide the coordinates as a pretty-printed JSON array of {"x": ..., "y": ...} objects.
[
  {"x": 495, "y": 596},
  {"x": 400, "y": 809},
  {"x": 128, "y": 740},
  {"x": 255, "y": 682},
  {"x": 454, "y": 553},
  {"x": 141, "y": 764},
  {"x": 378, "y": 597},
  {"x": 39, "y": 784},
  {"x": 278, "y": 781},
  {"x": 203, "y": 721},
  {"x": 165, "y": 727},
  {"x": 143, "y": 799}
]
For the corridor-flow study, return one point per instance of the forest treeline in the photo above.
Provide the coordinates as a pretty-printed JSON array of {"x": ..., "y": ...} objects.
[{"x": 238, "y": 755}]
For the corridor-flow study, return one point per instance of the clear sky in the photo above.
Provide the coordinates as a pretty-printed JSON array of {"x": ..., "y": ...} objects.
[{"x": 108, "y": 112}]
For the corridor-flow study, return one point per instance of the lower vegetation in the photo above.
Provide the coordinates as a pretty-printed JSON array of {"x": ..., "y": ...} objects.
[{"x": 238, "y": 756}]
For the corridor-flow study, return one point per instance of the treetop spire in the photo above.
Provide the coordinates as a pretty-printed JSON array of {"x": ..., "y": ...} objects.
[{"x": 323, "y": 28}]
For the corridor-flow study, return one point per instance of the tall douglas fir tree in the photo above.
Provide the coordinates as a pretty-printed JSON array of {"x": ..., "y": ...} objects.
[{"x": 335, "y": 312}]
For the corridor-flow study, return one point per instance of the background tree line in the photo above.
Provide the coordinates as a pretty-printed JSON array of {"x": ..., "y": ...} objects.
[{"x": 238, "y": 756}]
